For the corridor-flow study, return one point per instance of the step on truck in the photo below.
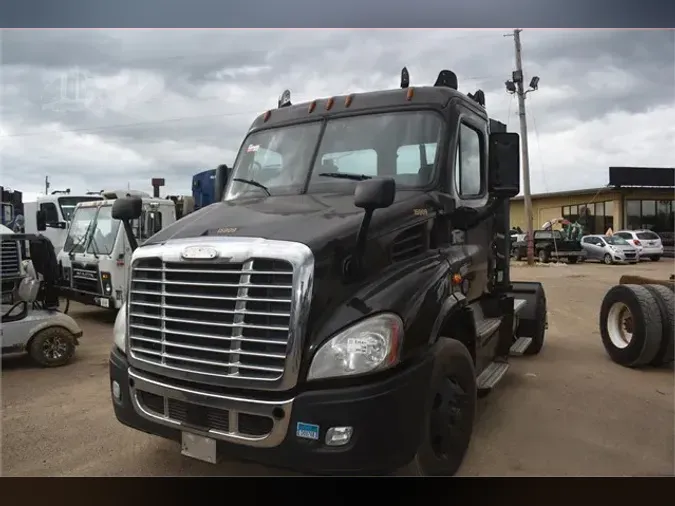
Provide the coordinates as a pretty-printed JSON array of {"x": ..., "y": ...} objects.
[
  {"x": 347, "y": 300},
  {"x": 96, "y": 251}
]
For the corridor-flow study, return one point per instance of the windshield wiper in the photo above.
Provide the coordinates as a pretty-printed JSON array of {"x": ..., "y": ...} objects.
[
  {"x": 94, "y": 247},
  {"x": 254, "y": 183},
  {"x": 78, "y": 243},
  {"x": 345, "y": 175}
]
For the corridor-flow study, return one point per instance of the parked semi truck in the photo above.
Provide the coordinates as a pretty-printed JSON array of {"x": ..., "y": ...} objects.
[
  {"x": 204, "y": 186},
  {"x": 343, "y": 314},
  {"x": 95, "y": 257}
]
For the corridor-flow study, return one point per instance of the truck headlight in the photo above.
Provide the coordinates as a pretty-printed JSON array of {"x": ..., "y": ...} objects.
[
  {"x": 120, "y": 329},
  {"x": 368, "y": 346}
]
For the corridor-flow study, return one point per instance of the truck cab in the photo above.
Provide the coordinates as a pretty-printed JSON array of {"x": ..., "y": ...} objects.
[
  {"x": 96, "y": 251},
  {"x": 50, "y": 215},
  {"x": 342, "y": 305}
]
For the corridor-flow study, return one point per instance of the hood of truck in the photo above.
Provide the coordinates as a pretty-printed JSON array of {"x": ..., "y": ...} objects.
[{"x": 314, "y": 220}]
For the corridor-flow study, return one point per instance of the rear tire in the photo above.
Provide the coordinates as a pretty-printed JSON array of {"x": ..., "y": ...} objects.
[
  {"x": 450, "y": 413},
  {"x": 630, "y": 325},
  {"x": 607, "y": 259},
  {"x": 541, "y": 323},
  {"x": 655, "y": 258},
  {"x": 52, "y": 347},
  {"x": 665, "y": 300},
  {"x": 544, "y": 256},
  {"x": 572, "y": 260}
]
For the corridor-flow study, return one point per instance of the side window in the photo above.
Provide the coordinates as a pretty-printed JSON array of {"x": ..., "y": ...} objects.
[
  {"x": 351, "y": 162},
  {"x": 151, "y": 223},
  {"x": 468, "y": 165},
  {"x": 588, "y": 240},
  {"x": 409, "y": 159},
  {"x": 51, "y": 214}
]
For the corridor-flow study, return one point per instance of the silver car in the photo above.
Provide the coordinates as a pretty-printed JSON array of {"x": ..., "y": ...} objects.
[
  {"x": 609, "y": 249},
  {"x": 648, "y": 243}
]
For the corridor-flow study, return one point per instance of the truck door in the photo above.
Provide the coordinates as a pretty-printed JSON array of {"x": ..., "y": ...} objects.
[
  {"x": 469, "y": 161},
  {"x": 53, "y": 231}
]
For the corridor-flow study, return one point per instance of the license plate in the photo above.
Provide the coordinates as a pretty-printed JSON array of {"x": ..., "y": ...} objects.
[
  {"x": 104, "y": 302},
  {"x": 307, "y": 431},
  {"x": 652, "y": 243},
  {"x": 199, "y": 447}
]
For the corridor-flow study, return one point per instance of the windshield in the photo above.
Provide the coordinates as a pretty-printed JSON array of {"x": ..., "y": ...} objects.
[
  {"x": 68, "y": 204},
  {"x": 104, "y": 232},
  {"x": 616, "y": 241},
  {"x": 92, "y": 228},
  {"x": 302, "y": 159},
  {"x": 79, "y": 227}
]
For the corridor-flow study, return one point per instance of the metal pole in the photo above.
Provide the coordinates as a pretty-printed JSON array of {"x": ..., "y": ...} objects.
[{"x": 524, "y": 150}]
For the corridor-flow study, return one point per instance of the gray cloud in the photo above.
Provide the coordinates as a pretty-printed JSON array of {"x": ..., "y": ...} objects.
[{"x": 169, "y": 103}]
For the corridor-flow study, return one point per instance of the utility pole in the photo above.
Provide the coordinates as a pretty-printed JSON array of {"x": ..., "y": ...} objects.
[
  {"x": 516, "y": 86},
  {"x": 46, "y": 185}
]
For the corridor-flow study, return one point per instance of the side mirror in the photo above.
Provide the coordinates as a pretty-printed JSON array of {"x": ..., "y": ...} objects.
[
  {"x": 127, "y": 208},
  {"x": 41, "y": 220},
  {"x": 369, "y": 195},
  {"x": 374, "y": 194},
  {"x": 504, "y": 164},
  {"x": 222, "y": 173}
]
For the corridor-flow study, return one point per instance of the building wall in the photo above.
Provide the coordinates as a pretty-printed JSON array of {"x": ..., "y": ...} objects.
[{"x": 545, "y": 208}]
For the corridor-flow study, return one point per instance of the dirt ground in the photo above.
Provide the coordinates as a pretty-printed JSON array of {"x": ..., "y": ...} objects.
[{"x": 569, "y": 411}]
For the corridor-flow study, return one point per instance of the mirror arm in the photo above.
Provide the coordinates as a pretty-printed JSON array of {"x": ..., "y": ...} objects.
[{"x": 133, "y": 243}]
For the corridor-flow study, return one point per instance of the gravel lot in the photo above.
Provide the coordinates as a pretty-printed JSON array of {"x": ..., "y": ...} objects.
[{"x": 568, "y": 412}]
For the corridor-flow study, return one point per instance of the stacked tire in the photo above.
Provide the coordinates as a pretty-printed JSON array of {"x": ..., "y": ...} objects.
[{"x": 637, "y": 325}]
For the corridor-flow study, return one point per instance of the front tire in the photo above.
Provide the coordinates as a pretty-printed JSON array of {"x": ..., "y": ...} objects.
[
  {"x": 52, "y": 347},
  {"x": 450, "y": 413},
  {"x": 607, "y": 259},
  {"x": 541, "y": 324},
  {"x": 630, "y": 325}
]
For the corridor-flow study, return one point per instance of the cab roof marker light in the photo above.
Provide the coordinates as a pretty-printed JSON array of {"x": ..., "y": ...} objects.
[
  {"x": 329, "y": 103},
  {"x": 409, "y": 94},
  {"x": 312, "y": 106},
  {"x": 267, "y": 116},
  {"x": 348, "y": 100}
]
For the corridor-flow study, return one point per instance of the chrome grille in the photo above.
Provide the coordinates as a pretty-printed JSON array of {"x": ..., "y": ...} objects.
[
  {"x": 10, "y": 261},
  {"x": 85, "y": 277},
  {"x": 214, "y": 318}
]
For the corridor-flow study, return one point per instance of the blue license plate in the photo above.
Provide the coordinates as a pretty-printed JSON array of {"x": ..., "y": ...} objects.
[{"x": 307, "y": 431}]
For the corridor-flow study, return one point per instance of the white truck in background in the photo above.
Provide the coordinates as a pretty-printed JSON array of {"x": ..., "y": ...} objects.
[
  {"x": 96, "y": 251},
  {"x": 50, "y": 215}
]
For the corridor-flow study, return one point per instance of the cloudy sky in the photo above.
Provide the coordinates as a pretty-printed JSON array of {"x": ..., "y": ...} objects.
[{"x": 95, "y": 109}]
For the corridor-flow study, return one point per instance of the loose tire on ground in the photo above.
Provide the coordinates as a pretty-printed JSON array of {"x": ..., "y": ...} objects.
[
  {"x": 450, "y": 413},
  {"x": 52, "y": 347},
  {"x": 665, "y": 300},
  {"x": 630, "y": 325}
]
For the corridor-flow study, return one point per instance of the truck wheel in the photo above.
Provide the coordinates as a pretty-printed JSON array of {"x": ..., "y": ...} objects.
[
  {"x": 515, "y": 253},
  {"x": 630, "y": 325},
  {"x": 450, "y": 412},
  {"x": 607, "y": 259},
  {"x": 571, "y": 260},
  {"x": 544, "y": 256},
  {"x": 540, "y": 330},
  {"x": 52, "y": 347},
  {"x": 665, "y": 300}
]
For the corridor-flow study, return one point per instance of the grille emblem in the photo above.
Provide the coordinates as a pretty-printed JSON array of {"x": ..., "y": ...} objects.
[{"x": 199, "y": 253}]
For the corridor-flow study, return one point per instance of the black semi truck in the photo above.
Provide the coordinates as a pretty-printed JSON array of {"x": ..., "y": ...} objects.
[{"x": 345, "y": 301}]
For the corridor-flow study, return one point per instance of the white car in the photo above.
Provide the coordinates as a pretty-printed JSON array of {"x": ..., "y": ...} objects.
[{"x": 648, "y": 243}]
